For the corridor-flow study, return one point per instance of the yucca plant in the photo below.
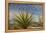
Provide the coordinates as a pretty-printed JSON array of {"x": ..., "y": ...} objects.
[
  {"x": 23, "y": 20},
  {"x": 41, "y": 21}
]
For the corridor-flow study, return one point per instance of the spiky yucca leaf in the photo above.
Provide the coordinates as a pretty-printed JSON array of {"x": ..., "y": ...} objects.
[{"x": 23, "y": 20}]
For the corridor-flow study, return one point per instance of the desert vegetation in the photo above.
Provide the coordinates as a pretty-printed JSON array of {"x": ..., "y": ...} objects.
[{"x": 23, "y": 20}]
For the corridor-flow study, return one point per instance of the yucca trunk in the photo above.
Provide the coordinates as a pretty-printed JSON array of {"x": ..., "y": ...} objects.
[{"x": 25, "y": 28}]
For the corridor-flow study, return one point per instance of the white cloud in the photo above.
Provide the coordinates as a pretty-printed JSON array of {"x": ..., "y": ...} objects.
[{"x": 36, "y": 18}]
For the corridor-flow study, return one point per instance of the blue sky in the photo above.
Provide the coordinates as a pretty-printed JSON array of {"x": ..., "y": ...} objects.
[{"x": 36, "y": 9}]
